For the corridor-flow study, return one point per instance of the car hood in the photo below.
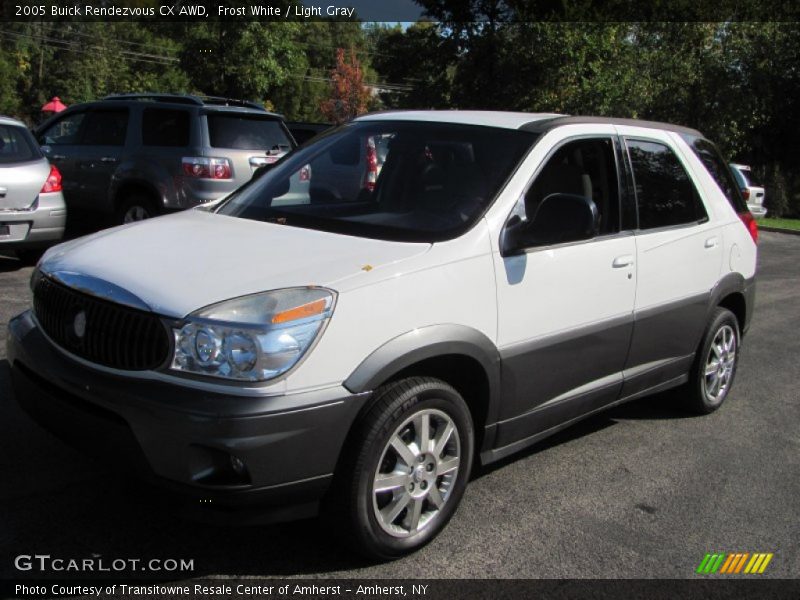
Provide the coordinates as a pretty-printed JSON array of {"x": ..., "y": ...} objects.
[{"x": 179, "y": 263}]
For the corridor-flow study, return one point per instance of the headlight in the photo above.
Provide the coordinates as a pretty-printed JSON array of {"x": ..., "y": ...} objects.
[{"x": 252, "y": 338}]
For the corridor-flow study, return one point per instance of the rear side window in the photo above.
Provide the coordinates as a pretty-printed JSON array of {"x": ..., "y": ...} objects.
[
  {"x": 164, "y": 127},
  {"x": 105, "y": 128},
  {"x": 17, "y": 145},
  {"x": 245, "y": 132},
  {"x": 719, "y": 170},
  {"x": 665, "y": 195}
]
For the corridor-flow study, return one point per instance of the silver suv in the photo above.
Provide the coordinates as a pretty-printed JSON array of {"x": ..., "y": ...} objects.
[
  {"x": 32, "y": 210},
  {"x": 134, "y": 156}
]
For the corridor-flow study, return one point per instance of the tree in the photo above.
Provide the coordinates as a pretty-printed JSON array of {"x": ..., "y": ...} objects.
[
  {"x": 349, "y": 97},
  {"x": 237, "y": 59},
  {"x": 419, "y": 58}
]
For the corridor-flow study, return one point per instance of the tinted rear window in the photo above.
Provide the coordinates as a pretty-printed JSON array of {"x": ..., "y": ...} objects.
[
  {"x": 719, "y": 170},
  {"x": 17, "y": 145},
  {"x": 748, "y": 176},
  {"x": 241, "y": 132},
  {"x": 665, "y": 194},
  {"x": 164, "y": 127}
]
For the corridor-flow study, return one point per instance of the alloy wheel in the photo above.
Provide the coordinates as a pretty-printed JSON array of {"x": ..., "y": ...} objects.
[
  {"x": 719, "y": 366},
  {"x": 416, "y": 474}
]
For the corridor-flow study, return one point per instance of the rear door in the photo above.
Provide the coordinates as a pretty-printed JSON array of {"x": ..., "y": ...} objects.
[
  {"x": 103, "y": 137},
  {"x": 23, "y": 169},
  {"x": 679, "y": 258}
]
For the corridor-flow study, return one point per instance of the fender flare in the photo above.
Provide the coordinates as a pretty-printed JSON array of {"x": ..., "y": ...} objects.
[{"x": 429, "y": 342}]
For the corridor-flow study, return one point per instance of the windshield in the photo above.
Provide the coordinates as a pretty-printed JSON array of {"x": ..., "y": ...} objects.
[{"x": 404, "y": 181}]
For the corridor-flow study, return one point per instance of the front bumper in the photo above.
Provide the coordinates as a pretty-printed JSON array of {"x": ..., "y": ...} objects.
[
  {"x": 184, "y": 439},
  {"x": 41, "y": 226}
]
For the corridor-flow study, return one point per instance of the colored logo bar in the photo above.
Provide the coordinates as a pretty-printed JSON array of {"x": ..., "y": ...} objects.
[{"x": 734, "y": 563}]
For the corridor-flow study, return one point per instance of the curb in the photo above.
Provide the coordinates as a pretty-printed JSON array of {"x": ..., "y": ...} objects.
[{"x": 779, "y": 230}]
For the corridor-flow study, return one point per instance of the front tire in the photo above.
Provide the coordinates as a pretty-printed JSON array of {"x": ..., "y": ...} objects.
[
  {"x": 714, "y": 369},
  {"x": 406, "y": 468}
]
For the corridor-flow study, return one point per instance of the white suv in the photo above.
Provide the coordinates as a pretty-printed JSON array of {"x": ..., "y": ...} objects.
[{"x": 506, "y": 275}]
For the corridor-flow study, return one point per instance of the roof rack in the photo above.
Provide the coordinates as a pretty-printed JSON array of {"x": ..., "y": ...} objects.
[
  {"x": 187, "y": 99},
  {"x": 177, "y": 98},
  {"x": 220, "y": 101}
]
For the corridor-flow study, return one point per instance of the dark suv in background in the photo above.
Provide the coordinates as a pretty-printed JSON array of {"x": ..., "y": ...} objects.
[{"x": 134, "y": 156}]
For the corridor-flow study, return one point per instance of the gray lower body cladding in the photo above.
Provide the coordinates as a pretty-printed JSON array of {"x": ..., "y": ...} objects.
[
  {"x": 556, "y": 380},
  {"x": 284, "y": 457}
]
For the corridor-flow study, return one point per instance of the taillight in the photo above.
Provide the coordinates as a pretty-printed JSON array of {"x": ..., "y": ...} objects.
[
  {"x": 750, "y": 222},
  {"x": 746, "y": 193},
  {"x": 53, "y": 181},
  {"x": 371, "y": 177},
  {"x": 305, "y": 173},
  {"x": 201, "y": 167}
]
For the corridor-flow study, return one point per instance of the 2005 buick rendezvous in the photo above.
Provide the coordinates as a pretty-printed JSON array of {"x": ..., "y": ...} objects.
[{"x": 501, "y": 276}]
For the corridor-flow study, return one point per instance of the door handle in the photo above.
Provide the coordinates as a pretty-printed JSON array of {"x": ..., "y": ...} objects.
[
  {"x": 3, "y": 192},
  {"x": 711, "y": 242},
  {"x": 625, "y": 260},
  {"x": 58, "y": 157},
  {"x": 108, "y": 159}
]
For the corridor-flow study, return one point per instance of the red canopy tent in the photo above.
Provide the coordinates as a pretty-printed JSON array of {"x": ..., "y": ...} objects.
[{"x": 55, "y": 105}]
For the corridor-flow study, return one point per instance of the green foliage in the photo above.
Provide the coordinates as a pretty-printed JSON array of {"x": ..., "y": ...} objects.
[{"x": 737, "y": 82}]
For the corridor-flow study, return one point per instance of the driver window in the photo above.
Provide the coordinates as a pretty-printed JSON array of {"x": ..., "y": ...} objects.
[
  {"x": 64, "y": 131},
  {"x": 584, "y": 167}
]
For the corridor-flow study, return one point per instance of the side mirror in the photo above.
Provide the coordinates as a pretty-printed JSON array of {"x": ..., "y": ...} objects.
[{"x": 560, "y": 218}]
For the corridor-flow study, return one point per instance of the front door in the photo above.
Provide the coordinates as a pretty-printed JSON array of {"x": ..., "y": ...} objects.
[{"x": 565, "y": 311}]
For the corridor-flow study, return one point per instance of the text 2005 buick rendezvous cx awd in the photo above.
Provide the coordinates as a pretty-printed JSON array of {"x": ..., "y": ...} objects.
[{"x": 453, "y": 286}]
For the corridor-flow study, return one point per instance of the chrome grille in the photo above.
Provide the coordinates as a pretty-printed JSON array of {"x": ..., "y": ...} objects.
[{"x": 100, "y": 331}]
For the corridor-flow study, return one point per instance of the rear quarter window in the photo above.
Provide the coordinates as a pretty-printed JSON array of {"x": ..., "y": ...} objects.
[
  {"x": 246, "y": 132},
  {"x": 719, "y": 170},
  {"x": 17, "y": 145}
]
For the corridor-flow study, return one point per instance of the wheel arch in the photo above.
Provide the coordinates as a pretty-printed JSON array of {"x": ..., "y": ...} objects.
[
  {"x": 736, "y": 294},
  {"x": 461, "y": 356},
  {"x": 126, "y": 187}
]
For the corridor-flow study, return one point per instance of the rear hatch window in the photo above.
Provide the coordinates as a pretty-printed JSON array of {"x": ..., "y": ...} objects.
[
  {"x": 247, "y": 132},
  {"x": 748, "y": 177},
  {"x": 17, "y": 145}
]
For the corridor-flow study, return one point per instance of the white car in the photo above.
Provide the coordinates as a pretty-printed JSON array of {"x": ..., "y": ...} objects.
[
  {"x": 752, "y": 193},
  {"x": 507, "y": 275}
]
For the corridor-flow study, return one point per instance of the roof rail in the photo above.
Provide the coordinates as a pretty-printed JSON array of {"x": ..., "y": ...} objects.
[
  {"x": 177, "y": 98},
  {"x": 220, "y": 101},
  {"x": 187, "y": 99}
]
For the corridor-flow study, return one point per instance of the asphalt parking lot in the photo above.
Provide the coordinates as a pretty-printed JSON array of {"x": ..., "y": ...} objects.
[{"x": 642, "y": 491}]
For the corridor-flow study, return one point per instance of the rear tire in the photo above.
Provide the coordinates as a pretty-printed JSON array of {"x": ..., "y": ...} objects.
[
  {"x": 405, "y": 468},
  {"x": 714, "y": 368},
  {"x": 135, "y": 206}
]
